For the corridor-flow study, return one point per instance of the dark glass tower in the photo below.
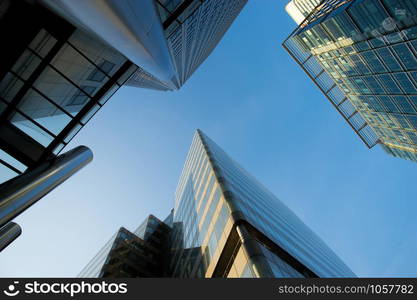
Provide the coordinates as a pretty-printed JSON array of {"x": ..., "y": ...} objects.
[
  {"x": 142, "y": 253},
  {"x": 363, "y": 57},
  {"x": 226, "y": 224}
]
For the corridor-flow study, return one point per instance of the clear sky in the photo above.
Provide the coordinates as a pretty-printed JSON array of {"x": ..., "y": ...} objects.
[{"x": 259, "y": 106}]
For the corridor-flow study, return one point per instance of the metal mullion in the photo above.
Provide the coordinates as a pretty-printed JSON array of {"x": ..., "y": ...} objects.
[
  {"x": 413, "y": 82},
  {"x": 343, "y": 101},
  {"x": 383, "y": 105},
  {"x": 88, "y": 59},
  {"x": 363, "y": 126},
  {"x": 87, "y": 107},
  {"x": 6, "y": 164},
  {"x": 334, "y": 69},
  {"x": 381, "y": 60},
  {"x": 321, "y": 72},
  {"x": 354, "y": 113},
  {"x": 35, "y": 122},
  {"x": 412, "y": 79},
  {"x": 177, "y": 13},
  {"x": 349, "y": 60},
  {"x": 43, "y": 95},
  {"x": 399, "y": 59},
  {"x": 413, "y": 48},
  {"x": 334, "y": 84},
  {"x": 376, "y": 95},
  {"x": 66, "y": 78},
  {"x": 366, "y": 84},
  {"x": 383, "y": 85},
  {"x": 334, "y": 105},
  {"x": 33, "y": 77},
  {"x": 373, "y": 74},
  {"x": 30, "y": 119},
  {"x": 411, "y": 102},
  {"x": 399, "y": 85}
]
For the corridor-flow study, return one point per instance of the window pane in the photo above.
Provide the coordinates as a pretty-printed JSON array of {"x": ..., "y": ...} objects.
[
  {"x": 42, "y": 43},
  {"x": 389, "y": 84},
  {"x": 42, "y": 111},
  {"x": 405, "y": 56},
  {"x": 76, "y": 68},
  {"x": 89, "y": 48},
  {"x": 31, "y": 129},
  {"x": 403, "y": 103},
  {"x": 373, "y": 62},
  {"x": 6, "y": 173},
  {"x": 389, "y": 59},
  {"x": 58, "y": 149},
  {"x": 405, "y": 83},
  {"x": 90, "y": 114},
  {"x": 59, "y": 90},
  {"x": 10, "y": 86},
  {"x": 26, "y": 64},
  {"x": 12, "y": 161}
]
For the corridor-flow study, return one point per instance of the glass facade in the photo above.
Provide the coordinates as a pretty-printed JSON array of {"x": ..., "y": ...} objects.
[
  {"x": 53, "y": 79},
  {"x": 142, "y": 253},
  {"x": 222, "y": 214},
  {"x": 363, "y": 56},
  {"x": 226, "y": 224},
  {"x": 194, "y": 28},
  {"x": 300, "y": 9}
]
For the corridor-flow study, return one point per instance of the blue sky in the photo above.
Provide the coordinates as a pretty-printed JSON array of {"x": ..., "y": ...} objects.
[{"x": 259, "y": 106}]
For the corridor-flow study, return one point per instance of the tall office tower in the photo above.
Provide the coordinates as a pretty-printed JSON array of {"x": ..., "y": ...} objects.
[
  {"x": 363, "y": 57},
  {"x": 142, "y": 253},
  {"x": 226, "y": 224},
  {"x": 300, "y": 9},
  {"x": 193, "y": 28}
]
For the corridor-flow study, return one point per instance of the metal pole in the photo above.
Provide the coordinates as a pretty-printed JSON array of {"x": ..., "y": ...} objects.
[
  {"x": 8, "y": 234},
  {"x": 19, "y": 193}
]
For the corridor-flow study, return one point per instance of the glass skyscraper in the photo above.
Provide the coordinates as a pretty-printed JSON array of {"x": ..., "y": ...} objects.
[
  {"x": 67, "y": 58},
  {"x": 227, "y": 224},
  {"x": 192, "y": 28},
  {"x": 62, "y": 64},
  {"x": 363, "y": 57},
  {"x": 142, "y": 253}
]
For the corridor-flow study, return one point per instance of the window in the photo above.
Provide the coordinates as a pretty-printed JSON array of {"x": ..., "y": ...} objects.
[
  {"x": 389, "y": 59},
  {"x": 407, "y": 57},
  {"x": 389, "y": 84},
  {"x": 97, "y": 74},
  {"x": 405, "y": 83},
  {"x": 373, "y": 62},
  {"x": 80, "y": 97},
  {"x": 405, "y": 106}
]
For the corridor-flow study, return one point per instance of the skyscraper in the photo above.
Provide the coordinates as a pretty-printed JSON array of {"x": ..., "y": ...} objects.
[
  {"x": 227, "y": 224},
  {"x": 193, "y": 28},
  {"x": 142, "y": 253},
  {"x": 68, "y": 57},
  {"x": 363, "y": 57}
]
